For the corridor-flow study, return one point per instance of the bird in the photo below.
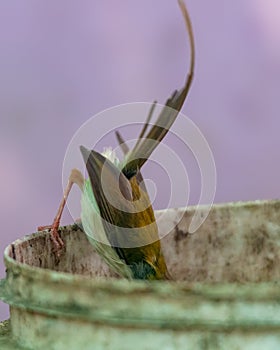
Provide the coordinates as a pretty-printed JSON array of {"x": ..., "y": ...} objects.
[{"x": 116, "y": 212}]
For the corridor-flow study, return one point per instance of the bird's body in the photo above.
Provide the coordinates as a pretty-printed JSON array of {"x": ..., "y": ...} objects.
[{"x": 126, "y": 236}]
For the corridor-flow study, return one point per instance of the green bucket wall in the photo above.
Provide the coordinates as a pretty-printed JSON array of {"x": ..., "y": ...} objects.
[{"x": 225, "y": 294}]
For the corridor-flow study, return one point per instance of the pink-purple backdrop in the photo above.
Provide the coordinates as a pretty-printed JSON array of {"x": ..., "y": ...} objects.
[{"x": 62, "y": 62}]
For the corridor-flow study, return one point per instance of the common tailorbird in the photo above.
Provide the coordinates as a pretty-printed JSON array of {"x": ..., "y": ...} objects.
[{"x": 116, "y": 212}]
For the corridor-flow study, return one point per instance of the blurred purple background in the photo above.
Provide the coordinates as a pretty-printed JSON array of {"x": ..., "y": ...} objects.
[{"x": 62, "y": 62}]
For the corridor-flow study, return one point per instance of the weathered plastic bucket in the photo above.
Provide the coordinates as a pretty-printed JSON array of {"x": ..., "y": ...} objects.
[{"x": 226, "y": 293}]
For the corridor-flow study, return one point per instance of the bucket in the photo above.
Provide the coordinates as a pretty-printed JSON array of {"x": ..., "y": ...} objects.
[{"x": 225, "y": 293}]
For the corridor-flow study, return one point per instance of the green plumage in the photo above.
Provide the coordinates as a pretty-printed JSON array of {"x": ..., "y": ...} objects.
[{"x": 124, "y": 232}]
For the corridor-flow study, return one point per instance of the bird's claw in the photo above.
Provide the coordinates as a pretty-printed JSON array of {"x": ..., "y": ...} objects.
[
  {"x": 56, "y": 239},
  {"x": 54, "y": 236}
]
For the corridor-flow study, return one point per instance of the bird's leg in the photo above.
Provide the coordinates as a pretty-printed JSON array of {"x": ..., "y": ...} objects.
[{"x": 75, "y": 178}]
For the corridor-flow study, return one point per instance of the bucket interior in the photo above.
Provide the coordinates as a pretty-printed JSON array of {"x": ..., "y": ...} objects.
[{"x": 238, "y": 242}]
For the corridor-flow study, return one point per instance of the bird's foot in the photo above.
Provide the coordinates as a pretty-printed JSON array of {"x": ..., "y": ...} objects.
[{"x": 54, "y": 236}]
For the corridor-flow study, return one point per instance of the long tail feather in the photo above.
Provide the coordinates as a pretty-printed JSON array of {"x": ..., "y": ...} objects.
[{"x": 144, "y": 148}]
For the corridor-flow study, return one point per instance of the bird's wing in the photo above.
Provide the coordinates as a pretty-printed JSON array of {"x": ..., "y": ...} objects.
[{"x": 127, "y": 222}]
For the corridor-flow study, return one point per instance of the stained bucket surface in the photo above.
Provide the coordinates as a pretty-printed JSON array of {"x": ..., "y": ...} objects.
[{"x": 225, "y": 293}]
